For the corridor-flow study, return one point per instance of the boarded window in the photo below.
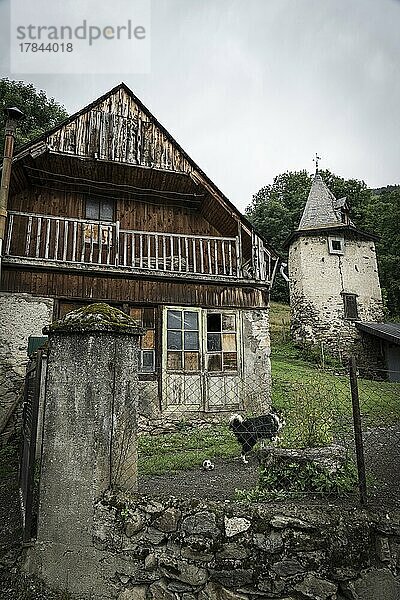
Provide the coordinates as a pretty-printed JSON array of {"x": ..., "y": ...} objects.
[
  {"x": 145, "y": 317},
  {"x": 350, "y": 306}
]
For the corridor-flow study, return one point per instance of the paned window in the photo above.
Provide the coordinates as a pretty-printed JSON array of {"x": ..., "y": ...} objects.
[
  {"x": 146, "y": 319},
  {"x": 222, "y": 342},
  {"x": 98, "y": 210},
  {"x": 183, "y": 340}
]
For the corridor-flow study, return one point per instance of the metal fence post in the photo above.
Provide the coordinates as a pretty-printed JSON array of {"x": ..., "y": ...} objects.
[{"x": 362, "y": 483}]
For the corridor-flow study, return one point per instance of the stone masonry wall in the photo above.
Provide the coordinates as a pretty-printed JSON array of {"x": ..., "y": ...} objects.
[
  {"x": 256, "y": 361},
  {"x": 22, "y": 315},
  {"x": 187, "y": 550},
  {"x": 317, "y": 281}
]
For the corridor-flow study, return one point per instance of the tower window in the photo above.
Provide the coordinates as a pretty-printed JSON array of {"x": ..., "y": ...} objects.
[
  {"x": 336, "y": 245},
  {"x": 350, "y": 306}
]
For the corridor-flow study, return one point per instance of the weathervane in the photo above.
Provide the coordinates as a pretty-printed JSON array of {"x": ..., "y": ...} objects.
[{"x": 316, "y": 159}]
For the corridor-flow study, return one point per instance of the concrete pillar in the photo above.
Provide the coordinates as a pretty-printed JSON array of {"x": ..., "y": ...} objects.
[{"x": 89, "y": 435}]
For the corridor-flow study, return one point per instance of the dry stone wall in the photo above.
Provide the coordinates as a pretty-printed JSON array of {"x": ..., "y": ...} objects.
[{"x": 188, "y": 550}]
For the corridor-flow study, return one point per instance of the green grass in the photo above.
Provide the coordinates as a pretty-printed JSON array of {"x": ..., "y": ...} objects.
[
  {"x": 187, "y": 449},
  {"x": 316, "y": 402}
]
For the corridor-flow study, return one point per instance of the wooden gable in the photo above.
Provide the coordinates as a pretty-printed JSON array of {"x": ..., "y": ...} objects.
[{"x": 118, "y": 128}]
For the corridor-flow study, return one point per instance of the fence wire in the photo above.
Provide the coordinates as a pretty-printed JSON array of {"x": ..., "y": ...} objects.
[{"x": 189, "y": 450}]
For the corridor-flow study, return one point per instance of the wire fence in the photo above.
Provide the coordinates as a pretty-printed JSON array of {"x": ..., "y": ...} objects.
[{"x": 313, "y": 443}]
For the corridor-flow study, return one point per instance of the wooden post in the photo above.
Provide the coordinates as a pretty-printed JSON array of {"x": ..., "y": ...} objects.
[{"x": 362, "y": 483}]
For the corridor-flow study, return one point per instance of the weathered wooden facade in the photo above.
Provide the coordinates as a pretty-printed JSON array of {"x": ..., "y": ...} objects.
[{"x": 108, "y": 207}]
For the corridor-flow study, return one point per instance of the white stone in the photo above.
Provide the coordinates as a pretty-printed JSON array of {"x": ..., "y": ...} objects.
[{"x": 235, "y": 525}]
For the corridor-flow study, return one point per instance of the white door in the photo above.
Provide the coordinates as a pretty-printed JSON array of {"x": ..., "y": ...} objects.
[
  {"x": 202, "y": 367},
  {"x": 182, "y": 382}
]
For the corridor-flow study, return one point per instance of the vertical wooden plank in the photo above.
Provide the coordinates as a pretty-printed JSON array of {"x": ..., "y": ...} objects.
[
  {"x": 116, "y": 261},
  {"x": 171, "y": 242},
  {"x": 238, "y": 255},
  {"x": 209, "y": 256},
  {"x": 164, "y": 247},
  {"x": 74, "y": 240},
  {"x": 187, "y": 253},
  {"x": 216, "y": 257},
  {"x": 133, "y": 249},
  {"x": 230, "y": 258},
  {"x": 148, "y": 251},
  {"x": 82, "y": 229},
  {"x": 156, "y": 252},
  {"x": 179, "y": 255},
  {"x": 28, "y": 237},
  {"x": 141, "y": 250},
  {"x": 100, "y": 241},
  {"x": 65, "y": 240},
  {"x": 109, "y": 234},
  {"x": 48, "y": 226},
  {"x": 201, "y": 257},
  {"x": 57, "y": 241},
  {"x": 223, "y": 258},
  {"x": 39, "y": 235},
  {"x": 194, "y": 255},
  {"x": 91, "y": 243},
  {"x": 125, "y": 248},
  {"x": 9, "y": 233}
]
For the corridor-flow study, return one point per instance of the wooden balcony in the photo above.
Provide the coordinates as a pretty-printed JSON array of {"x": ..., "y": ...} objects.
[{"x": 59, "y": 242}]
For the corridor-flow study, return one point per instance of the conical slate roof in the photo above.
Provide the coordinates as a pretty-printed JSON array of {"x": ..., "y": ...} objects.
[{"x": 322, "y": 209}]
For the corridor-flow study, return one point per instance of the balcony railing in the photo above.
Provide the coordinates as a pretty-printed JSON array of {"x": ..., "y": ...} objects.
[{"x": 103, "y": 244}]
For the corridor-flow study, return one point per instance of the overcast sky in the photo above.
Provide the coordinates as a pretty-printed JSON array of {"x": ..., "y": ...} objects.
[{"x": 253, "y": 88}]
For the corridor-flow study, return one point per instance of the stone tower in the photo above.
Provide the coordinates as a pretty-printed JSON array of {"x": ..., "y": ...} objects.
[{"x": 333, "y": 276}]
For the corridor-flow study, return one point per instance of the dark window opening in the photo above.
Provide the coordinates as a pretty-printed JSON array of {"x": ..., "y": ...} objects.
[
  {"x": 336, "y": 245},
  {"x": 99, "y": 210},
  {"x": 213, "y": 322},
  {"x": 350, "y": 306}
]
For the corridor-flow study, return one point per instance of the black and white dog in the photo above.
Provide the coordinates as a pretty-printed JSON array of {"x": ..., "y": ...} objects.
[{"x": 249, "y": 431}]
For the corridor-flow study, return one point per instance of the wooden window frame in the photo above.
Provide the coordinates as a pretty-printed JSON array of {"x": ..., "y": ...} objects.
[
  {"x": 350, "y": 307},
  {"x": 183, "y": 350},
  {"x": 91, "y": 230},
  {"x": 235, "y": 331},
  {"x": 147, "y": 373}
]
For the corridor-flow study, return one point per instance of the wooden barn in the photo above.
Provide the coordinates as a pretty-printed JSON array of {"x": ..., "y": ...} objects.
[{"x": 108, "y": 207}]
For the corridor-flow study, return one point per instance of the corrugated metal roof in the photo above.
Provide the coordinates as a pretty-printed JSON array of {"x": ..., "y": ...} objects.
[{"x": 386, "y": 331}]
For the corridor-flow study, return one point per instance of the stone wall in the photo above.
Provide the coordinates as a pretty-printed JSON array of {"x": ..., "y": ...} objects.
[
  {"x": 317, "y": 281},
  {"x": 148, "y": 549},
  {"x": 22, "y": 315},
  {"x": 256, "y": 360}
]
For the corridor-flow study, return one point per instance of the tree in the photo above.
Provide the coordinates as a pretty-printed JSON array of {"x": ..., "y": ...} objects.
[
  {"x": 382, "y": 216},
  {"x": 42, "y": 113}
]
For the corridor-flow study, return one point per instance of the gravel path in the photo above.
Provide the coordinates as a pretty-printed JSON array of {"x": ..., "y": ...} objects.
[{"x": 219, "y": 484}]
